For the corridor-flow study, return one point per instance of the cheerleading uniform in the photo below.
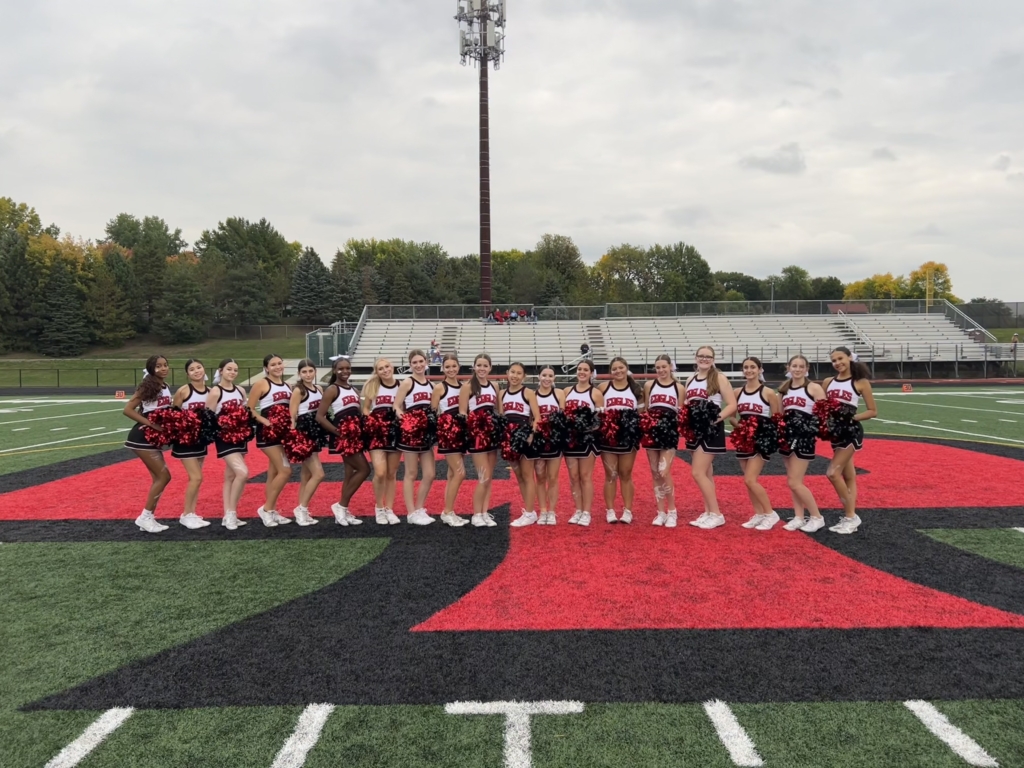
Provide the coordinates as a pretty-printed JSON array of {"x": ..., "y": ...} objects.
[
  {"x": 227, "y": 396},
  {"x": 844, "y": 391},
  {"x": 136, "y": 439},
  {"x": 615, "y": 402},
  {"x": 584, "y": 399},
  {"x": 417, "y": 399},
  {"x": 663, "y": 402},
  {"x": 310, "y": 400},
  {"x": 753, "y": 405},
  {"x": 345, "y": 406},
  {"x": 278, "y": 394},
  {"x": 385, "y": 401},
  {"x": 697, "y": 389},
  {"x": 517, "y": 411},
  {"x": 487, "y": 400},
  {"x": 797, "y": 403},
  {"x": 196, "y": 401},
  {"x": 546, "y": 405},
  {"x": 449, "y": 406}
]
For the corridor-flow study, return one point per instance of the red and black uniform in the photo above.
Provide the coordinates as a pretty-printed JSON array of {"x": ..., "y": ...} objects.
[
  {"x": 798, "y": 405},
  {"x": 753, "y": 405},
  {"x": 660, "y": 426},
  {"x": 451, "y": 430},
  {"x": 697, "y": 389},
  {"x": 547, "y": 405},
  {"x": 383, "y": 440},
  {"x": 233, "y": 395},
  {"x": 196, "y": 401},
  {"x": 486, "y": 401},
  {"x": 345, "y": 408},
  {"x": 580, "y": 444},
  {"x": 844, "y": 392},
  {"x": 618, "y": 403},
  {"x": 417, "y": 407},
  {"x": 277, "y": 395},
  {"x": 137, "y": 437},
  {"x": 518, "y": 415}
]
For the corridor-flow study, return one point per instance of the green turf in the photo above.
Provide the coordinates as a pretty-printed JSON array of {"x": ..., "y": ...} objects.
[
  {"x": 72, "y": 611},
  {"x": 986, "y": 414},
  {"x": 1004, "y": 545},
  {"x": 1005, "y": 335}
]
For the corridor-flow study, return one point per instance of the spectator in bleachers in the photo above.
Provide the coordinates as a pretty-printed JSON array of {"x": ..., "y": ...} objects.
[
  {"x": 507, "y": 315},
  {"x": 533, "y": 316},
  {"x": 515, "y": 316},
  {"x": 497, "y": 316},
  {"x": 522, "y": 315},
  {"x": 1013, "y": 345}
]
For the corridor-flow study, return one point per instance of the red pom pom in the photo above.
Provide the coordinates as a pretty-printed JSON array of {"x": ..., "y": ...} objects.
[
  {"x": 188, "y": 428},
  {"x": 280, "y": 418},
  {"x": 482, "y": 431},
  {"x": 297, "y": 446},
  {"x": 235, "y": 422},
  {"x": 685, "y": 430},
  {"x": 780, "y": 425},
  {"x": 166, "y": 419},
  {"x": 349, "y": 440},
  {"x": 824, "y": 409},
  {"x": 451, "y": 432},
  {"x": 742, "y": 437},
  {"x": 414, "y": 429}
]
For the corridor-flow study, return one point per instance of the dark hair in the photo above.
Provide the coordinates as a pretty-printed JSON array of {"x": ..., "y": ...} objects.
[
  {"x": 268, "y": 358},
  {"x": 635, "y": 388},
  {"x": 474, "y": 383},
  {"x": 510, "y": 365},
  {"x": 334, "y": 369},
  {"x": 150, "y": 387},
  {"x": 414, "y": 352},
  {"x": 587, "y": 363},
  {"x": 188, "y": 363},
  {"x": 303, "y": 363},
  {"x": 858, "y": 370},
  {"x": 224, "y": 362}
]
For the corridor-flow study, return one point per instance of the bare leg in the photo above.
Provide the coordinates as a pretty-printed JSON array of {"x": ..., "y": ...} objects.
[
  {"x": 482, "y": 465},
  {"x": 803, "y": 499},
  {"x": 456, "y": 474},
  {"x": 611, "y": 478},
  {"x": 553, "y": 470},
  {"x": 357, "y": 469},
  {"x": 527, "y": 483},
  {"x": 702, "y": 475},
  {"x": 626, "y": 462},
  {"x": 661, "y": 474},
  {"x": 380, "y": 477},
  {"x": 573, "y": 465},
  {"x": 586, "y": 475},
  {"x": 315, "y": 472},
  {"x": 194, "y": 468},
  {"x": 282, "y": 473},
  {"x": 234, "y": 464},
  {"x": 837, "y": 474},
  {"x": 160, "y": 474},
  {"x": 394, "y": 461},
  {"x": 429, "y": 472},
  {"x": 758, "y": 495},
  {"x": 412, "y": 468},
  {"x": 492, "y": 462}
]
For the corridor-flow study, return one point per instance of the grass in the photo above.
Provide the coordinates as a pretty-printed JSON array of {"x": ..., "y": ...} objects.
[
  {"x": 987, "y": 414},
  {"x": 1005, "y": 335},
  {"x": 1002, "y": 545}
]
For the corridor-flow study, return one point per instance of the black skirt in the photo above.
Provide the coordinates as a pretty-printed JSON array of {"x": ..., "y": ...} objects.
[
  {"x": 715, "y": 443},
  {"x": 137, "y": 441},
  {"x": 180, "y": 451},
  {"x": 226, "y": 449}
]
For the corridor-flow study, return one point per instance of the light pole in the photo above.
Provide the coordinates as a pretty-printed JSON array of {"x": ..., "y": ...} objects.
[{"x": 481, "y": 42}]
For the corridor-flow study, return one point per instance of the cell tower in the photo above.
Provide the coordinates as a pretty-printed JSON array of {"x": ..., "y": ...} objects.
[{"x": 481, "y": 41}]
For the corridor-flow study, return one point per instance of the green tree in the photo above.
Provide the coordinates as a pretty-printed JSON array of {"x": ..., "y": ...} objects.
[
  {"x": 794, "y": 284},
  {"x": 748, "y": 286},
  {"x": 827, "y": 289},
  {"x": 311, "y": 288},
  {"x": 346, "y": 297},
  {"x": 625, "y": 274},
  {"x": 65, "y": 333},
  {"x": 107, "y": 308},
  {"x": 181, "y": 312},
  {"x": 151, "y": 243},
  {"x": 20, "y": 218},
  {"x": 401, "y": 290},
  {"x": 682, "y": 273},
  {"x": 118, "y": 262},
  {"x": 562, "y": 259},
  {"x": 23, "y": 277},
  {"x": 367, "y": 284},
  {"x": 124, "y": 230}
]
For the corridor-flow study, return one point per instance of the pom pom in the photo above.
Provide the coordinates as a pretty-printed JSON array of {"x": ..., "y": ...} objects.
[
  {"x": 801, "y": 431},
  {"x": 235, "y": 422},
  {"x": 620, "y": 428},
  {"x": 685, "y": 432},
  {"x": 766, "y": 438},
  {"x": 836, "y": 421},
  {"x": 298, "y": 446},
  {"x": 659, "y": 429},
  {"x": 702, "y": 415},
  {"x": 310, "y": 427},
  {"x": 742, "y": 437},
  {"x": 516, "y": 440},
  {"x": 484, "y": 430},
  {"x": 780, "y": 430},
  {"x": 349, "y": 440},
  {"x": 380, "y": 429},
  {"x": 209, "y": 427},
  {"x": 550, "y": 433},
  {"x": 583, "y": 425},
  {"x": 451, "y": 432},
  {"x": 280, "y": 418},
  {"x": 166, "y": 419},
  {"x": 417, "y": 428}
]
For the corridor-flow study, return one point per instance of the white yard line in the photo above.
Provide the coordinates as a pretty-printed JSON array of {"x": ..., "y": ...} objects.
[
  {"x": 96, "y": 429},
  {"x": 91, "y": 738},
  {"x": 518, "y": 750},
  {"x": 734, "y": 737},
  {"x": 954, "y": 431},
  {"x": 56, "y": 442},
  {"x": 69, "y": 415},
  {"x": 25, "y": 429},
  {"x": 1019, "y": 529},
  {"x": 929, "y": 421},
  {"x": 969, "y": 421},
  {"x": 304, "y": 738},
  {"x": 963, "y": 745},
  {"x": 965, "y": 408},
  {"x": 58, "y": 429},
  {"x": 1009, "y": 421},
  {"x": 63, "y": 401}
]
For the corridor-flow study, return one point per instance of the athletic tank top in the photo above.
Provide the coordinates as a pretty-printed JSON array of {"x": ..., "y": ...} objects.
[
  {"x": 842, "y": 391},
  {"x": 753, "y": 404},
  {"x": 487, "y": 398},
  {"x": 450, "y": 399},
  {"x": 619, "y": 399},
  {"x": 346, "y": 402},
  {"x": 385, "y": 397},
  {"x": 662, "y": 396},
  {"x": 419, "y": 396},
  {"x": 278, "y": 394},
  {"x": 162, "y": 401},
  {"x": 798, "y": 399},
  {"x": 310, "y": 400},
  {"x": 227, "y": 396},
  {"x": 583, "y": 398},
  {"x": 195, "y": 401},
  {"x": 697, "y": 389},
  {"x": 547, "y": 403},
  {"x": 515, "y": 406}
]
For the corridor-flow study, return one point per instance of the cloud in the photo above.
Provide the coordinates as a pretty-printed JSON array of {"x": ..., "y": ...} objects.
[
  {"x": 687, "y": 215},
  {"x": 787, "y": 159},
  {"x": 1016, "y": 178},
  {"x": 336, "y": 219},
  {"x": 831, "y": 94},
  {"x": 1002, "y": 162},
  {"x": 929, "y": 231},
  {"x": 883, "y": 153}
]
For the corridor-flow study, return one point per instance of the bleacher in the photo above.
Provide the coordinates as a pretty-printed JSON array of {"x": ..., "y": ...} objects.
[{"x": 916, "y": 336}]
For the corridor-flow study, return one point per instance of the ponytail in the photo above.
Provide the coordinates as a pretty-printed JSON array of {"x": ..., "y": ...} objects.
[
  {"x": 858, "y": 370},
  {"x": 474, "y": 382},
  {"x": 636, "y": 389},
  {"x": 150, "y": 387},
  {"x": 788, "y": 383},
  {"x": 334, "y": 369}
]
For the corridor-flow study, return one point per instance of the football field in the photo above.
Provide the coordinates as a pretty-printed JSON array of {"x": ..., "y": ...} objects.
[{"x": 901, "y": 645}]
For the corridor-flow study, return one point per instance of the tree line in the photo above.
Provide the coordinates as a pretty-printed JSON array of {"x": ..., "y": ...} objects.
[{"x": 59, "y": 294}]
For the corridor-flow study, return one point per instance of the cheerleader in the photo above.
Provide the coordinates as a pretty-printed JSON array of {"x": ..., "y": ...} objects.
[
  {"x": 236, "y": 473},
  {"x": 847, "y": 387},
  {"x": 662, "y": 398},
  {"x": 151, "y": 395},
  {"x": 476, "y": 399},
  {"x": 343, "y": 400},
  {"x": 379, "y": 394},
  {"x": 445, "y": 402},
  {"x": 414, "y": 396},
  {"x": 755, "y": 401},
  {"x": 305, "y": 400},
  {"x": 192, "y": 397},
  {"x": 708, "y": 383},
  {"x": 267, "y": 393},
  {"x": 622, "y": 395},
  {"x": 798, "y": 398},
  {"x": 547, "y": 466},
  {"x": 519, "y": 406},
  {"x": 581, "y": 452}
]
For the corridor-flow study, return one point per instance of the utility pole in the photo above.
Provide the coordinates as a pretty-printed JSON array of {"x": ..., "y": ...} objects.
[{"x": 481, "y": 42}]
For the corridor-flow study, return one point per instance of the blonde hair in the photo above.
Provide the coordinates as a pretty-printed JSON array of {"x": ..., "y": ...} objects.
[
  {"x": 372, "y": 385},
  {"x": 712, "y": 385}
]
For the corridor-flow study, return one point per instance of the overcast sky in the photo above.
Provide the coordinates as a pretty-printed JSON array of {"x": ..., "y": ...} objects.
[{"x": 850, "y": 138}]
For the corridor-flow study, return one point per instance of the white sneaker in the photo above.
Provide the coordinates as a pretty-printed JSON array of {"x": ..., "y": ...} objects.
[
  {"x": 231, "y": 521},
  {"x": 279, "y": 518},
  {"x": 769, "y": 521},
  {"x": 303, "y": 518},
  {"x": 627, "y": 517},
  {"x": 575, "y": 519},
  {"x": 450, "y": 518},
  {"x": 699, "y": 522},
  {"x": 660, "y": 519},
  {"x": 795, "y": 524},
  {"x": 584, "y": 518},
  {"x": 489, "y": 520},
  {"x": 478, "y": 521},
  {"x": 671, "y": 519},
  {"x": 526, "y": 518},
  {"x": 267, "y": 518},
  {"x": 754, "y": 521},
  {"x": 352, "y": 519},
  {"x": 193, "y": 521},
  {"x": 382, "y": 515},
  {"x": 147, "y": 522},
  {"x": 419, "y": 517},
  {"x": 712, "y": 521},
  {"x": 813, "y": 524},
  {"x": 610, "y": 516},
  {"x": 340, "y": 514},
  {"x": 548, "y": 518},
  {"x": 391, "y": 516},
  {"x": 847, "y": 525}
]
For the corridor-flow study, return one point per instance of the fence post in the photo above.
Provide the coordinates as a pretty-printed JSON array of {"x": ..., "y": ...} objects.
[
  {"x": 985, "y": 364},
  {"x": 20, "y": 384},
  {"x": 58, "y": 378},
  {"x": 97, "y": 378}
]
